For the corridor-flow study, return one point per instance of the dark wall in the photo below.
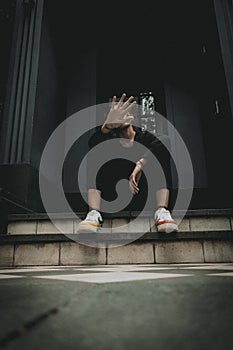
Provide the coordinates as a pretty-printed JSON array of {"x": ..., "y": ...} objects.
[
  {"x": 81, "y": 93},
  {"x": 7, "y": 15},
  {"x": 50, "y": 98}
]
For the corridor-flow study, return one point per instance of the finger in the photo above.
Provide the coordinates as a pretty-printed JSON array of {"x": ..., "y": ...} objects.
[
  {"x": 131, "y": 186},
  {"x": 130, "y": 106},
  {"x": 138, "y": 179},
  {"x": 136, "y": 189},
  {"x": 131, "y": 182},
  {"x": 127, "y": 102},
  {"x": 113, "y": 101},
  {"x": 134, "y": 184},
  {"x": 134, "y": 181},
  {"x": 128, "y": 119},
  {"x": 133, "y": 189},
  {"x": 121, "y": 100}
]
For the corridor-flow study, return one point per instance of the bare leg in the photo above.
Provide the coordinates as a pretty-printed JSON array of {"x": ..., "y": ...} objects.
[
  {"x": 94, "y": 198},
  {"x": 162, "y": 197}
]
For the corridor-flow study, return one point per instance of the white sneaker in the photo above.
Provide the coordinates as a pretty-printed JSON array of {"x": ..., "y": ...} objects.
[
  {"x": 164, "y": 221},
  {"x": 91, "y": 223}
]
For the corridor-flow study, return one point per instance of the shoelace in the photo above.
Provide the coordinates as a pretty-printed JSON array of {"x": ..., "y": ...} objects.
[
  {"x": 164, "y": 214},
  {"x": 91, "y": 216}
]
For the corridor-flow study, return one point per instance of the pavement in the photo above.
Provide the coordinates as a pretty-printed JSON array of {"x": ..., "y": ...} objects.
[{"x": 117, "y": 307}]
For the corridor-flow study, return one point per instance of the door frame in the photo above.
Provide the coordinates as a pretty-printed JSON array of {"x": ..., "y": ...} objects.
[{"x": 224, "y": 18}]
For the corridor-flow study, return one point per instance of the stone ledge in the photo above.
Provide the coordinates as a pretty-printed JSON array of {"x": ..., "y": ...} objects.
[
  {"x": 115, "y": 237},
  {"x": 22, "y": 227},
  {"x": 131, "y": 254},
  {"x": 145, "y": 224},
  {"x": 210, "y": 223},
  {"x": 218, "y": 251},
  {"x": 73, "y": 253},
  {"x": 36, "y": 254},
  {"x": 123, "y": 214},
  {"x": 179, "y": 252},
  {"x": 158, "y": 252},
  {"x": 7, "y": 255},
  {"x": 46, "y": 226}
]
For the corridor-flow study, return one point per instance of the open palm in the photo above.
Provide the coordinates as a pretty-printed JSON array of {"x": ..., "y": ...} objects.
[{"x": 119, "y": 112}]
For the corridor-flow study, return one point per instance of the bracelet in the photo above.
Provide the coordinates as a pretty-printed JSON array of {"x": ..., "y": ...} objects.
[{"x": 106, "y": 127}]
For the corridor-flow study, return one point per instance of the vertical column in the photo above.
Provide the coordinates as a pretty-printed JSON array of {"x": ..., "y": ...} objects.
[
  {"x": 224, "y": 17},
  {"x": 20, "y": 100}
]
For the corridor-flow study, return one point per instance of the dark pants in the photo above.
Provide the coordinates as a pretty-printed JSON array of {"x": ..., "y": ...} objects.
[{"x": 113, "y": 171}]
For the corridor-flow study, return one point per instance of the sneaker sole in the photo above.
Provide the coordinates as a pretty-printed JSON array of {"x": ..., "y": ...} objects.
[
  {"x": 167, "y": 227},
  {"x": 87, "y": 229}
]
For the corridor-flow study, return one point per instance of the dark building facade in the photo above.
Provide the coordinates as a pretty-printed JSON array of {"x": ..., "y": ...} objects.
[{"x": 59, "y": 57}]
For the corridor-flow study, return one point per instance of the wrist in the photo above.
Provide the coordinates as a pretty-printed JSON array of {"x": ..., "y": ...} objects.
[
  {"x": 105, "y": 129},
  {"x": 107, "y": 126},
  {"x": 139, "y": 163},
  {"x": 142, "y": 161}
]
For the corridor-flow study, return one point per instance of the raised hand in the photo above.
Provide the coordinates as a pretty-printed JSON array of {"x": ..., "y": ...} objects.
[{"x": 119, "y": 112}]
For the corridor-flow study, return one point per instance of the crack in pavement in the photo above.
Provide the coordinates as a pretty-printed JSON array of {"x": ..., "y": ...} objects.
[{"x": 24, "y": 328}]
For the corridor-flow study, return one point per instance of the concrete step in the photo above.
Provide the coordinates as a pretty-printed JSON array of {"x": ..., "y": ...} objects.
[
  {"x": 190, "y": 223},
  {"x": 203, "y": 237},
  {"x": 151, "y": 248}
]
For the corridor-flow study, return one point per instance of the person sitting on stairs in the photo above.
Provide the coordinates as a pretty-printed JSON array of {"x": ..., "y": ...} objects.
[{"x": 118, "y": 124}]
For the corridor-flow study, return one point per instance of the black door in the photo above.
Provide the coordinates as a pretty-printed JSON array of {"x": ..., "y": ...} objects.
[{"x": 197, "y": 100}]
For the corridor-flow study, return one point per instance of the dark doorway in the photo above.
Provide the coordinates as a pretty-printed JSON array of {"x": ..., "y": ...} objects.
[
  {"x": 197, "y": 99},
  {"x": 169, "y": 48}
]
